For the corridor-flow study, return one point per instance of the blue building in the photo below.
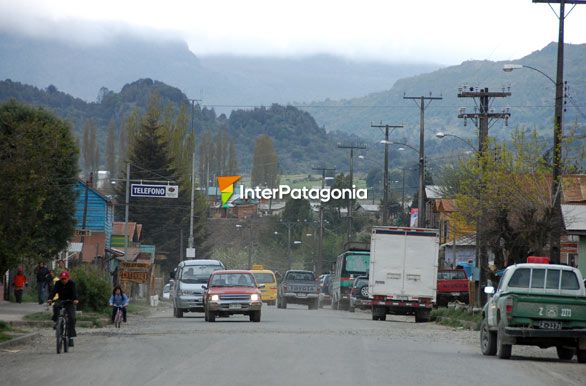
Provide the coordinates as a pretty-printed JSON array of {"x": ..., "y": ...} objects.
[{"x": 96, "y": 231}]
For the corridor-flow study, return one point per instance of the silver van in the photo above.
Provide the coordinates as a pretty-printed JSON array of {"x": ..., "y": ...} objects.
[{"x": 190, "y": 276}]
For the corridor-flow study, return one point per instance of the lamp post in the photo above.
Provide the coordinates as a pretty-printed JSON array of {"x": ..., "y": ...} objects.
[
  {"x": 556, "y": 221},
  {"x": 557, "y": 150},
  {"x": 421, "y": 185}
]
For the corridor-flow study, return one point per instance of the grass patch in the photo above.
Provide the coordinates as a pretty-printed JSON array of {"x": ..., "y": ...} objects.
[
  {"x": 4, "y": 328},
  {"x": 38, "y": 316},
  {"x": 456, "y": 318}
]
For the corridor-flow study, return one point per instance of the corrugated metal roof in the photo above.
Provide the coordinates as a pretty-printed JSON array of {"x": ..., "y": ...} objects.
[
  {"x": 433, "y": 192},
  {"x": 574, "y": 217},
  {"x": 574, "y": 188}
]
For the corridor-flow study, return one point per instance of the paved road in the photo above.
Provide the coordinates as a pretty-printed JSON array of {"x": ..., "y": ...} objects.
[{"x": 289, "y": 347}]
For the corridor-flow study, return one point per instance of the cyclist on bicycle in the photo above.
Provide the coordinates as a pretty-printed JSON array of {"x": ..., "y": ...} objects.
[
  {"x": 118, "y": 299},
  {"x": 65, "y": 289}
]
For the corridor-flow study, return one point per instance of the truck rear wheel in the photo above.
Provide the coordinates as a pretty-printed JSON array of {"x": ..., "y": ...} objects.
[
  {"x": 379, "y": 313},
  {"x": 564, "y": 353},
  {"x": 487, "y": 339},
  {"x": 422, "y": 316},
  {"x": 503, "y": 350},
  {"x": 581, "y": 354}
]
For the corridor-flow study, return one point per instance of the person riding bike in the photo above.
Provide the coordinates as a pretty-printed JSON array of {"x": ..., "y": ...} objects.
[
  {"x": 118, "y": 299},
  {"x": 65, "y": 289}
]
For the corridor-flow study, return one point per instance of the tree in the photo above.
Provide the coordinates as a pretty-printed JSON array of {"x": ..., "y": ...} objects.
[
  {"x": 513, "y": 183},
  {"x": 38, "y": 168},
  {"x": 90, "y": 147},
  {"x": 111, "y": 147},
  {"x": 162, "y": 220},
  {"x": 232, "y": 160},
  {"x": 265, "y": 164}
]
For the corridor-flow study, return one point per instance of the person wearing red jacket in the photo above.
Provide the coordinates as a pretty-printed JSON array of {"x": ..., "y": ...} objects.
[{"x": 19, "y": 282}]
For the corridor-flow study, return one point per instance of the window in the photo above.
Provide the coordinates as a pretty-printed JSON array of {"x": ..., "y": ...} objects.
[
  {"x": 538, "y": 278},
  {"x": 553, "y": 279},
  {"x": 264, "y": 277},
  {"x": 569, "y": 281},
  {"x": 520, "y": 278}
]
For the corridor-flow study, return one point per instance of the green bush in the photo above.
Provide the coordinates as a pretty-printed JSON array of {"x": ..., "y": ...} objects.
[{"x": 93, "y": 288}]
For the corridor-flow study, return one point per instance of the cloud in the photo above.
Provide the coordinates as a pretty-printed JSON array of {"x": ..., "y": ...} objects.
[{"x": 446, "y": 32}]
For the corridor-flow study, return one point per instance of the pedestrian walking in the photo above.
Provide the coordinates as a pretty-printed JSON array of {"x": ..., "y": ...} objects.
[
  {"x": 19, "y": 282},
  {"x": 43, "y": 277}
]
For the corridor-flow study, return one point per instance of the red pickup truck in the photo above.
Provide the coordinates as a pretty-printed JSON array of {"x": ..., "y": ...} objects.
[{"x": 452, "y": 284}]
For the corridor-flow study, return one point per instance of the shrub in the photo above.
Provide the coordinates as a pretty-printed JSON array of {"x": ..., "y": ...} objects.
[{"x": 93, "y": 288}]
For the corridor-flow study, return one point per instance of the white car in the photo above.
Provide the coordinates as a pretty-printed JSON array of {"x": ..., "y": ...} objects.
[{"x": 167, "y": 292}]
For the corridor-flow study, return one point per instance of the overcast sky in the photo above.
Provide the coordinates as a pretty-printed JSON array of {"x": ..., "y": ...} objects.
[{"x": 445, "y": 32}]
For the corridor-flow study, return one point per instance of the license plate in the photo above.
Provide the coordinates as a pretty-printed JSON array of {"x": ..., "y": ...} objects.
[
  {"x": 234, "y": 306},
  {"x": 301, "y": 295},
  {"x": 550, "y": 325},
  {"x": 400, "y": 298}
]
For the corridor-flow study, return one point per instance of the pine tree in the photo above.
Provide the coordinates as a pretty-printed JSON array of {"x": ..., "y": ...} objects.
[{"x": 162, "y": 219}]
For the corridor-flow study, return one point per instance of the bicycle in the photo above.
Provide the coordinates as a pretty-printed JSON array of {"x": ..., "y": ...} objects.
[
  {"x": 119, "y": 316},
  {"x": 62, "y": 326}
]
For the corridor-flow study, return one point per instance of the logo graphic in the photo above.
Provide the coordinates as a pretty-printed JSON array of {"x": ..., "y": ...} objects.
[{"x": 226, "y": 185}]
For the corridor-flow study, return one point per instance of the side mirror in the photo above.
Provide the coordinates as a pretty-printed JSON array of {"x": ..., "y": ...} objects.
[
  {"x": 261, "y": 286},
  {"x": 205, "y": 287},
  {"x": 489, "y": 290}
]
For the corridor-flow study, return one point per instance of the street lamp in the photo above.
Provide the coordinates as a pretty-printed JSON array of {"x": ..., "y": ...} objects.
[
  {"x": 556, "y": 221},
  {"x": 509, "y": 67},
  {"x": 442, "y": 135}
]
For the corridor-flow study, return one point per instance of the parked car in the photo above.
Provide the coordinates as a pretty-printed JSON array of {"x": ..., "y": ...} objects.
[
  {"x": 167, "y": 291},
  {"x": 190, "y": 276},
  {"x": 325, "y": 288},
  {"x": 359, "y": 295},
  {"x": 298, "y": 287},
  {"x": 266, "y": 277},
  {"x": 536, "y": 305},
  {"x": 232, "y": 292},
  {"x": 452, "y": 284}
]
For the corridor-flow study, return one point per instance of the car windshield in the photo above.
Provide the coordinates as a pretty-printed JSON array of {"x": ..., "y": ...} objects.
[
  {"x": 263, "y": 277},
  {"x": 233, "y": 280},
  {"x": 198, "y": 274},
  {"x": 300, "y": 276}
]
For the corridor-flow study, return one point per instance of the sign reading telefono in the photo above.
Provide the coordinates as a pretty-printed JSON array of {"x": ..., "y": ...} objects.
[{"x": 162, "y": 191}]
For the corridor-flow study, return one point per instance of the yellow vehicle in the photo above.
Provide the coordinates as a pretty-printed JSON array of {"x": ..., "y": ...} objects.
[{"x": 266, "y": 277}]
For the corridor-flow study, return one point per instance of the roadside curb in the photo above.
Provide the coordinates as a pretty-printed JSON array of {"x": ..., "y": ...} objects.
[{"x": 19, "y": 340}]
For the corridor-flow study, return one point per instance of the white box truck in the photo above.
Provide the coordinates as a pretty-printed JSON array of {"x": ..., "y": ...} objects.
[{"x": 403, "y": 271}]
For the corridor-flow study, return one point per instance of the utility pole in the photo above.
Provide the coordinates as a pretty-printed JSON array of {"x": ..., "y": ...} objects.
[
  {"x": 289, "y": 224},
  {"x": 403, "y": 197},
  {"x": 386, "y": 172},
  {"x": 351, "y": 147},
  {"x": 191, "y": 239},
  {"x": 482, "y": 118},
  {"x": 126, "y": 211},
  {"x": 421, "y": 103},
  {"x": 321, "y": 220},
  {"x": 556, "y": 221}
]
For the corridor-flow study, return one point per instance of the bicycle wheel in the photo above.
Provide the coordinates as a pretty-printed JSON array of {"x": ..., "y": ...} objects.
[
  {"x": 58, "y": 332},
  {"x": 65, "y": 337},
  {"x": 118, "y": 318}
]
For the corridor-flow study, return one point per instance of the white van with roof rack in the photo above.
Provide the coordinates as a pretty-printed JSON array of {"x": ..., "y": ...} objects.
[{"x": 190, "y": 276}]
